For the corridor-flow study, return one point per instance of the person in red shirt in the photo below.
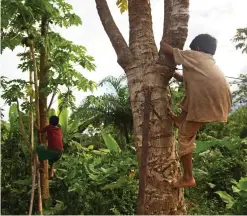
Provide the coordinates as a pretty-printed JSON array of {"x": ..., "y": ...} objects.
[{"x": 55, "y": 144}]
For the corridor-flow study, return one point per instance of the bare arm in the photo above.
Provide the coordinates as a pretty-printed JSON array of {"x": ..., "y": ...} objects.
[
  {"x": 167, "y": 50},
  {"x": 178, "y": 77},
  {"x": 43, "y": 130}
]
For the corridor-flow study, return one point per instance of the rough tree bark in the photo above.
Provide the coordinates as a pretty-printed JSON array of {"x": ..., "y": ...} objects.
[
  {"x": 43, "y": 106},
  {"x": 141, "y": 63}
]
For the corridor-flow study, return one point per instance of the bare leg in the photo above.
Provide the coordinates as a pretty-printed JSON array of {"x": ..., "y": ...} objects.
[
  {"x": 187, "y": 180},
  {"x": 51, "y": 174}
]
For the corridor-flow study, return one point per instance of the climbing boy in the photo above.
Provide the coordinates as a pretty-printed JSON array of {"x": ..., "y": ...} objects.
[
  {"x": 207, "y": 96},
  {"x": 55, "y": 144}
]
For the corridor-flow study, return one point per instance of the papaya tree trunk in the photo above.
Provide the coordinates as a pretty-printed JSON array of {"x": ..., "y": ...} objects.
[
  {"x": 43, "y": 106},
  {"x": 31, "y": 137},
  {"x": 34, "y": 156},
  {"x": 36, "y": 89},
  {"x": 141, "y": 62}
]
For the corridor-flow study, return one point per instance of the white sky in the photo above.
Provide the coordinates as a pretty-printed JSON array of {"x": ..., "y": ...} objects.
[{"x": 219, "y": 18}]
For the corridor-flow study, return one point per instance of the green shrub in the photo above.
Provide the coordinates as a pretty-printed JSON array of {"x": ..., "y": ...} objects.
[
  {"x": 216, "y": 164},
  {"x": 237, "y": 202},
  {"x": 96, "y": 182}
]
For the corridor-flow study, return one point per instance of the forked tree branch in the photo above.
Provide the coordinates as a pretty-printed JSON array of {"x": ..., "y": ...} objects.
[
  {"x": 175, "y": 29},
  {"x": 121, "y": 48},
  {"x": 176, "y": 20},
  {"x": 142, "y": 41}
]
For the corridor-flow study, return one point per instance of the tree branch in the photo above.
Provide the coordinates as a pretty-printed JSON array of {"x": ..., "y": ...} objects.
[
  {"x": 121, "y": 48},
  {"x": 175, "y": 30},
  {"x": 36, "y": 89},
  {"x": 52, "y": 99},
  {"x": 176, "y": 20},
  {"x": 141, "y": 30}
]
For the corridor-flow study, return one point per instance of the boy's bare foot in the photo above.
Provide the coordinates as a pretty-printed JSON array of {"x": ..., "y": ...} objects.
[{"x": 185, "y": 183}]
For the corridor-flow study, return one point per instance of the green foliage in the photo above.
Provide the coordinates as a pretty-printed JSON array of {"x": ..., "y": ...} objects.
[
  {"x": 13, "y": 89},
  {"x": 110, "y": 142},
  {"x": 216, "y": 164},
  {"x": 236, "y": 126},
  {"x": 240, "y": 39},
  {"x": 5, "y": 128},
  {"x": 240, "y": 95},
  {"x": 23, "y": 18},
  {"x": 122, "y": 5},
  {"x": 112, "y": 110},
  {"x": 15, "y": 172},
  {"x": 20, "y": 17},
  {"x": 63, "y": 115},
  {"x": 238, "y": 203},
  {"x": 177, "y": 94},
  {"x": 13, "y": 116},
  {"x": 100, "y": 182},
  {"x": 51, "y": 112}
]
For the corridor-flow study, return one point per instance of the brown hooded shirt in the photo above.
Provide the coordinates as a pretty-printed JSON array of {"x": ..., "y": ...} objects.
[{"x": 207, "y": 93}]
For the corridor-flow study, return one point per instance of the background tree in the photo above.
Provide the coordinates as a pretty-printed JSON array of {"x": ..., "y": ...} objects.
[
  {"x": 240, "y": 39},
  {"x": 111, "y": 110},
  {"x": 240, "y": 95},
  {"x": 23, "y": 21},
  {"x": 146, "y": 69}
]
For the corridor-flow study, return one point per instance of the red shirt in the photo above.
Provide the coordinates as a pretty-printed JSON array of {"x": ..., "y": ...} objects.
[{"x": 54, "y": 136}]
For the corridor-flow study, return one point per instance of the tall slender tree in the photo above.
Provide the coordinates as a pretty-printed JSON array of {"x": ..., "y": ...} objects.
[
  {"x": 52, "y": 57},
  {"x": 146, "y": 68}
]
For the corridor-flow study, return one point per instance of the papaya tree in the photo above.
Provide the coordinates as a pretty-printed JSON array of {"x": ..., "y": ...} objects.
[
  {"x": 47, "y": 54},
  {"x": 148, "y": 71}
]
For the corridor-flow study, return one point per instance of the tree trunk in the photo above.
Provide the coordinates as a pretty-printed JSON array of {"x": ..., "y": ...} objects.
[
  {"x": 36, "y": 90},
  {"x": 141, "y": 63},
  {"x": 33, "y": 164},
  {"x": 43, "y": 106},
  {"x": 34, "y": 157}
]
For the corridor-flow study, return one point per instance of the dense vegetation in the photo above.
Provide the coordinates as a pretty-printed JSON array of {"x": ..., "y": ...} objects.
[
  {"x": 98, "y": 172},
  {"x": 100, "y": 176}
]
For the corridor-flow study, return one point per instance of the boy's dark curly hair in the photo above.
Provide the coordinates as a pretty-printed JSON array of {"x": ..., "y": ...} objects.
[
  {"x": 54, "y": 120},
  {"x": 204, "y": 43}
]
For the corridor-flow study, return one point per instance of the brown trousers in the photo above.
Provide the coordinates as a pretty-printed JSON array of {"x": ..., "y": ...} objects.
[{"x": 187, "y": 131}]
